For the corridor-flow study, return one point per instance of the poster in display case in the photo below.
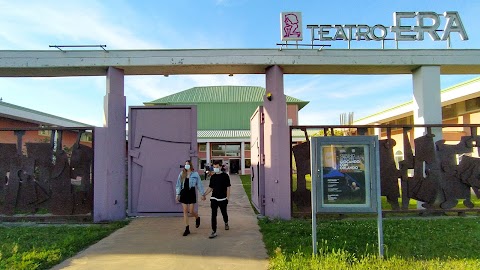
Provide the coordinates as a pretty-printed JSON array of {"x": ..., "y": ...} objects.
[{"x": 346, "y": 173}]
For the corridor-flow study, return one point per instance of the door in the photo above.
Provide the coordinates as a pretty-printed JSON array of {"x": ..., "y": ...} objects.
[
  {"x": 160, "y": 139},
  {"x": 234, "y": 165},
  {"x": 257, "y": 158}
]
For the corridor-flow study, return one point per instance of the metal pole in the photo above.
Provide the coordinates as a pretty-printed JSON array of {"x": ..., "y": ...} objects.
[
  {"x": 379, "y": 202},
  {"x": 314, "y": 174}
]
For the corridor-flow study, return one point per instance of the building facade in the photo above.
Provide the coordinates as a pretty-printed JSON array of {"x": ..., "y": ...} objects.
[
  {"x": 460, "y": 105},
  {"x": 15, "y": 117},
  {"x": 224, "y": 121}
]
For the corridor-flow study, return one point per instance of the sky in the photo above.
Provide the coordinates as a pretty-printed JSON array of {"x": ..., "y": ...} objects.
[{"x": 210, "y": 24}]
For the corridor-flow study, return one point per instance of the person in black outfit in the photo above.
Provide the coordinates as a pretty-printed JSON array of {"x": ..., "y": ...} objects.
[
  {"x": 207, "y": 170},
  {"x": 186, "y": 193},
  {"x": 220, "y": 188}
]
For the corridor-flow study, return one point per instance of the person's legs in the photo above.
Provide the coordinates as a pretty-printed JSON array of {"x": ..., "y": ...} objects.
[
  {"x": 214, "y": 206},
  {"x": 185, "y": 213},
  {"x": 192, "y": 210},
  {"x": 185, "y": 219},
  {"x": 195, "y": 214},
  {"x": 223, "y": 209}
]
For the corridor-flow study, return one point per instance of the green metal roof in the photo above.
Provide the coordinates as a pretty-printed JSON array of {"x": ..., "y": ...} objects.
[{"x": 221, "y": 94}]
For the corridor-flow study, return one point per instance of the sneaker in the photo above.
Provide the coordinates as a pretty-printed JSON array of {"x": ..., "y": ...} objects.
[
  {"x": 212, "y": 235},
  {"x": 197, "y": 222},
  {"x": 227, "y": 227}
]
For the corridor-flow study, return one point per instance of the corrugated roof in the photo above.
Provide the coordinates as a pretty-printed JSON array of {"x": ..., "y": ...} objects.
[
  {"x": 21, "y": 113},
  {"x": 213, "y": 134},
  {"x": 221, "y": 94},
  {"x": 230, "y": 134}
]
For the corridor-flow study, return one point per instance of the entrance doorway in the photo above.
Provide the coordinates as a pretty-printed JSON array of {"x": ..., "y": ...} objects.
[
  {"x": 234, "y": 165},
  {"x": 155, "y": 154}
]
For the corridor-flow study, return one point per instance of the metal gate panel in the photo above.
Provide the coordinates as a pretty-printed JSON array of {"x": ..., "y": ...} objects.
[
  {"x": 257, "y": 160},
  {"x": 161, "y": 138}
]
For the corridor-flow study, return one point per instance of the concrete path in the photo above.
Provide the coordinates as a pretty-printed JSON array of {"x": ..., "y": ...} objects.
[{"x": 157, "y": 242}]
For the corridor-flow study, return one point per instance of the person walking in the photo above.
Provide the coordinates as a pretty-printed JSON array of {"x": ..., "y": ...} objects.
[
  {"x": 187, "y": 181},
  {"x": 220, "y": 188},
  {"x": 207, "y": 170}
]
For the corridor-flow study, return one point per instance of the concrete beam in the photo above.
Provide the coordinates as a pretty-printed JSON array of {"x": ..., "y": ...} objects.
[{"x": 235, "y": 61}]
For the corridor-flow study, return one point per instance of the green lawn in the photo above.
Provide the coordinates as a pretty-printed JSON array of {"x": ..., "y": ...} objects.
[
  {"x": 410, "y": 243},
  {"x": 415, "y": 243},
  {"x": 247, "y": 185},
  {"x": 34, "y": 246}
]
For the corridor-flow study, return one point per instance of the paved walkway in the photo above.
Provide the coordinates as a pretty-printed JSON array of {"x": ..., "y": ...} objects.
[{"x": 157, "y": 243}]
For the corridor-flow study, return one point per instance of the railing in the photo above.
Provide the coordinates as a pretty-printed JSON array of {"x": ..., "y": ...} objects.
[
  {"x": 47, "y": 172},
  {"x": 437, "y": 176}
]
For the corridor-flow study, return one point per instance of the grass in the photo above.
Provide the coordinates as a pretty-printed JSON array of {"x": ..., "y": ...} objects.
[
  {"x": 247, "y": 186},
  {"x": 409, "y": 243},
  {"x": 33, "y": 246},
  {"x": 446, "y": 243}
]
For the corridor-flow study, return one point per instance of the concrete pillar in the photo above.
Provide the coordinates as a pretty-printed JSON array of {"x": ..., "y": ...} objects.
[
  {"x": 207, "y": 149},
  {"x": 378, "y": 132},
  {"x": 277, "y": 151},
  {"x": 110, "y": 153},
  {"x": 242, "y": 160},
  {"x": 427, "y": 107}
]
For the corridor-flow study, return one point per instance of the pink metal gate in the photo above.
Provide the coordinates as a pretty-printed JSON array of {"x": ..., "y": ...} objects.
[
  {"x": 160, "y": 139},
  {"x": 257, "y": 160}
]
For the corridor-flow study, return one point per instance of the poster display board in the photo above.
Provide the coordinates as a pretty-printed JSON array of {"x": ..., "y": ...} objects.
[
  {"x": 345, "y": 179},
  {"x": 345, "y": 174}
]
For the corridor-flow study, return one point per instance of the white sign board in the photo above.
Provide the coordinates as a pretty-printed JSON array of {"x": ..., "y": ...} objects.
[{"x": 291, "y": 26}]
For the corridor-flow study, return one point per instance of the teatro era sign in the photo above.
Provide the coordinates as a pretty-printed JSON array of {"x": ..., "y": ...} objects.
[{"x": 425, "y": 23}]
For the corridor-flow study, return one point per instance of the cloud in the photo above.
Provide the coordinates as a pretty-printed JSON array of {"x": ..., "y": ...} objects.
[
  {"x": 319, "y": 117},
  {"x": 140, "y": 89},
  {"x": 36, "y": 24},
  {"x": 346, "y": 86}
]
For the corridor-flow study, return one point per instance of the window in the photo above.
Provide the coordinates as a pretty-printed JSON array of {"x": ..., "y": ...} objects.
[
  {"x": 472, "y": 104},
  {"x": 202, "y": 163},
  {"x": 45, "y": 132},
  {"x": 218, "y": 150},
  {"x": 398, "y": 157},
  {"x": 202, "y": 147},
  {"x": 86, "y": 137},
  {"x": 247, "y": 146},
  {"x": 248, "y": 163},
  {"x": 449, "y": 111},
  {"x": 222, "y": 150},
  {"x": 232, "y": 150}
]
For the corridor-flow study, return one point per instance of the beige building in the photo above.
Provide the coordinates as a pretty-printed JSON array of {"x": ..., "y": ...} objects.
[{"x": 460, "y": 105}]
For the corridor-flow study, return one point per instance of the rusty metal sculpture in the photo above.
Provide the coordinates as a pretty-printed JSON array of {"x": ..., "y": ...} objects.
[
  {"x": 80, "y": 171},
  {"x": 437, "y": 181},
  {"x": 42, "y": 179},
  {"x": 302, "y": 196},
  {"x": 389, "y": 174}
]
